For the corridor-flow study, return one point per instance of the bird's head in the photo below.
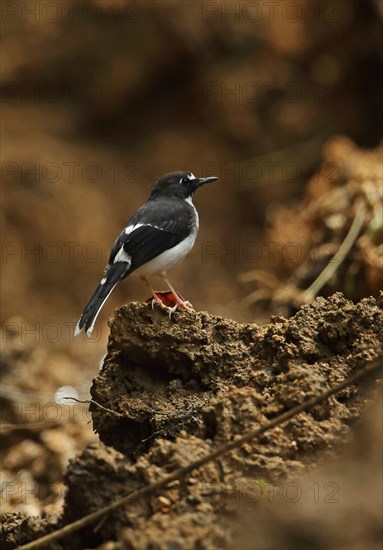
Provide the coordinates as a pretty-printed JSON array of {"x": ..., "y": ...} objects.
[{"x": 179, "y": 184}]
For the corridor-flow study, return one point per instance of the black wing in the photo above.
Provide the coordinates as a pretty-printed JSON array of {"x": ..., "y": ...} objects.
[{"x": 154, "y": 228}]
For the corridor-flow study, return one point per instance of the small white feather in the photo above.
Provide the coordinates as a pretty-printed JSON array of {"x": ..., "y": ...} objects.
[
  {"x": 131, "y": 228},
  {"x": 122, "y": 256},
  {"x": 77, "y": 330}
]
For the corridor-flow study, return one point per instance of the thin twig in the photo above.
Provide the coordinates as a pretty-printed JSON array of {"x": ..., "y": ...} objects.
[
  {"x": 182, "y": 472},
  {"x": 88, "y": 401},
  {"x": 152, "y": 435},
  {"x": 341, "y": 254}
]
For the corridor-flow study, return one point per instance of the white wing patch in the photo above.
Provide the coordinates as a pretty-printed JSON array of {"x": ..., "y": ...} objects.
[
  {"x": 122, "y": 256},
  {"x": 131, "y": 228}
]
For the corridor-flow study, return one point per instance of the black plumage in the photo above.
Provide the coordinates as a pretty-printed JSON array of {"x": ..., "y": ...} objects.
[
  {"x": 159, "y": 233},
  {"x": 166, "y": 222}
]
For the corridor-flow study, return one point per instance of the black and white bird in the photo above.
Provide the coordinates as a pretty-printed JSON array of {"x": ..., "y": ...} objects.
[{"x": 158, "y": 236}]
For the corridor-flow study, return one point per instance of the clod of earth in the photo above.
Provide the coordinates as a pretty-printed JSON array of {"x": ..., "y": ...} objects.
[
  {"x": 213, "y": 378},
  {"x": 176, "y": 389}
]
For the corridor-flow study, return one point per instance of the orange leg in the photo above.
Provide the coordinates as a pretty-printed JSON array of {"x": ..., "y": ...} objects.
[
  {"x": 187, "y": 305},
  {"x": 156, "y": 299}
]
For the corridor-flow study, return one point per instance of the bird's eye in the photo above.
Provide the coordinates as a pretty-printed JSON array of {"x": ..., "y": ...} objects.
[{"x": 187, "y": 179}]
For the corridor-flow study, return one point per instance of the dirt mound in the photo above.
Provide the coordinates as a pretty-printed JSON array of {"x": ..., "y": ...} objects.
[
  {"x": 213, "y": 377},
  {"x": 170, "y": 391}
]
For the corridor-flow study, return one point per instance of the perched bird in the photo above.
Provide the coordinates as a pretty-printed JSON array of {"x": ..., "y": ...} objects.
[{"x": 158, "y": 236}]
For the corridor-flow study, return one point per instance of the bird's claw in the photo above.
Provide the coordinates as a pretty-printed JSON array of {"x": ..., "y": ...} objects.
[
  {"x": 172, "y": 309},
  {"x": 187, "y": 305}
]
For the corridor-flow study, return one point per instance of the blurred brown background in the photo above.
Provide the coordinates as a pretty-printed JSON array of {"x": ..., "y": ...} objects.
[{"x": 101, "y": 98}]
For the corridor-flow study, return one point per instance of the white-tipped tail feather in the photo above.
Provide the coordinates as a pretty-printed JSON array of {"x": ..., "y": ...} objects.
[{"x": 88, "y": 318}]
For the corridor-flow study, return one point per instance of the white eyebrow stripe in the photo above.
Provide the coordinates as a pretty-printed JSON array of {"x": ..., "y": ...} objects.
[{"x": 190, "y": 176}]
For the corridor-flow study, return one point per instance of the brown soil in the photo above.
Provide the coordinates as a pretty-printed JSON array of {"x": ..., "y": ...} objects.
[{"x": 178, "y": 388}]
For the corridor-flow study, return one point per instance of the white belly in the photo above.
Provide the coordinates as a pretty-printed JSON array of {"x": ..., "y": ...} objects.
[{"x": 169, "y": 258}]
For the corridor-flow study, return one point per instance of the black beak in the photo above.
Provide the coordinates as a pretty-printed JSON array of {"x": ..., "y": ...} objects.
[{"x": 202, "y": 181}]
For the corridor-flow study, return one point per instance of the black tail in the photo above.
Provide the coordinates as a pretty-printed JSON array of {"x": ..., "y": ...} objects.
[{"x": 92, "y": 309}]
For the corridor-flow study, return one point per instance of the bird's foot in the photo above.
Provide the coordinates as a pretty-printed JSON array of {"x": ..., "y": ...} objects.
[
  {"x": 172, "y": 310},
  {"x": 187, "y": 305},
  {"x": 156, "y": 301},
  {"x": 169, "y": 301},
  {"x": 182, "y": 303}
]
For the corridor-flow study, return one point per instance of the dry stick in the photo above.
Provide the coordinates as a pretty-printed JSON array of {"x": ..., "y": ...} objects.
[
  {"x": 336, "y": 261},
  {"x": 182, "y": 472},
  {"x": 89, "y": 401}
]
